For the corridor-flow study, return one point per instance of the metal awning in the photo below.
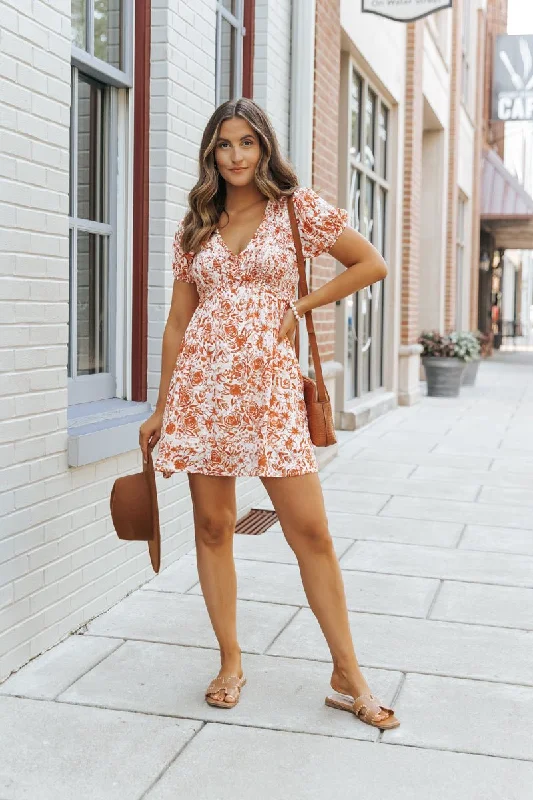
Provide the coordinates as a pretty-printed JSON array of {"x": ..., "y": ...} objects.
[{"x": 506, "y": 207}]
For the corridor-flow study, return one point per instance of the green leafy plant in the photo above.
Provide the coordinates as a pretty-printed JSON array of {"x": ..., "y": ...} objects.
[{"x": 467, "y": 345}]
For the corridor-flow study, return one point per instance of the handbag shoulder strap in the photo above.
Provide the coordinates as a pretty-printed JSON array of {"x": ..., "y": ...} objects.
[{"x": 303, "y": 290}]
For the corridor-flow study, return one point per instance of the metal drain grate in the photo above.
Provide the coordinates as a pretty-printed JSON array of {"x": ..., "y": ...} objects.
[{"x": 256, "y": 521}]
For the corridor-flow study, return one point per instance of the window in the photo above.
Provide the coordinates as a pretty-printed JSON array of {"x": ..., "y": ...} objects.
[
  {"x": 234, "y": 49},
  {"x": 368, "y": 203},
  {"x": 101, "y": 82},
  {"x": 459, "y": 262},
  {"x": 465, "y": 54}
]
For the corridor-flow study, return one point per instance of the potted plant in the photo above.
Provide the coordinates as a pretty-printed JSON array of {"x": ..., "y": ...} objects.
[
  {"x": 444, "y": 357},
  {"x": 475, "y": 343}
]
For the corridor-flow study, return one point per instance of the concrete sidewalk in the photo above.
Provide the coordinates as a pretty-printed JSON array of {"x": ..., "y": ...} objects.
[{"x": 431, "y": 510}]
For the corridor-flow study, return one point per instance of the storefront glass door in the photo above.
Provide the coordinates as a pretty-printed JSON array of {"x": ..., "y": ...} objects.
[{"x": 368, "y": 192}]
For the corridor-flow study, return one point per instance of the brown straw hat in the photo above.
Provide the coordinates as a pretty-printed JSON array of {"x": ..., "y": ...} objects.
[{"x": 134, "y": 509}]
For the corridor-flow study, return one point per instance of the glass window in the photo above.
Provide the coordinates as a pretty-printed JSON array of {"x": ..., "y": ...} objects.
[
  {"x": 370, "y": 124},
  {"x": 91, "y": 149},
  {"x": 229, "y": 50},
  {"x": 383, "y": 127},
  {"x": 368, "y": 205},
  {"x": 355, "y": 145},
  {"x": 78, "y": 22},
  {"x": 107, "y": 31},
  {"x": 98, "y": 196},
  {"x": 368, "y": 210},
  {"x": 227, "y": 60},
  {"x": 92, "y": 311}
]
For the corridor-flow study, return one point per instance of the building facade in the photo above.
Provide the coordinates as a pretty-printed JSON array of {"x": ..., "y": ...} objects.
[{"x": 103, "y": 108}]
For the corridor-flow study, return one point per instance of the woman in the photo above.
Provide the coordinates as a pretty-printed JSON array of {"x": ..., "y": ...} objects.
[{"x": 231, "y": 393}]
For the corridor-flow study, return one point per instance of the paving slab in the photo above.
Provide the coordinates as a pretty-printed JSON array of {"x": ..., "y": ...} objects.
[
  {"x": 462, "y": 715},
  {"x": 281, "y": 583},
  {"x": 263, "y": 764},
  {"x": 366, "y": 526},
  {"x": 272, "y": 546},
  {"x": 506, "y": 569},
  {"x": 408, "y": 486},
  {"x": 378, "y": 469},
  {"x": 506, "y": 464},
  {"x": 503, "y": 606},
  {"x": 419, "y": 645},
  {"x": 479, "y": 477},
  {"x": 56, "y": 751},
  {"x": 183, "y": 673},
  {"x": 516, "y": 496},
  {"x": 53, "y": 671},
  {"x": 183, "y": 619},
  {"x": 503, "y": 540},
  {"x": 178, "y": 577},
  {"x": 344, "y": 502},
  {"x": 455, "y": 511},
  {"x": 429, "y": 459}
]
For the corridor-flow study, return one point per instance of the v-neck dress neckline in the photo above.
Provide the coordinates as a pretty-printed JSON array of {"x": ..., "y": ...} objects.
[{"x": 254, "y": 235}]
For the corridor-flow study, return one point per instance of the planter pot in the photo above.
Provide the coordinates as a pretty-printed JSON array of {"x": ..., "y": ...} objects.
[
  {"x": 470, "y": 373},
  {"x": 443, "y": 375}
]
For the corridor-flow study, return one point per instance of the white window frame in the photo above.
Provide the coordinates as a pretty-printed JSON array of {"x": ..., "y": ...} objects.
[
  {"x": 118, "y": 106},
  {"x": 237, "y": 22}
]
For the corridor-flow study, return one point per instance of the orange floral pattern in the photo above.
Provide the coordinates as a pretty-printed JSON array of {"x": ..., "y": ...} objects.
[{"x": 235, "y": 402}]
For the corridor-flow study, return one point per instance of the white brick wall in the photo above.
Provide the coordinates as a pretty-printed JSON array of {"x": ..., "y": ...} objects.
[
  {"x": 61, "y": 562},
  {"x": 272, "y": 61}
]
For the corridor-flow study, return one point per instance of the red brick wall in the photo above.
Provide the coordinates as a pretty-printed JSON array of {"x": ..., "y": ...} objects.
[
  {"x": 412, "y": 180},
  {"x": 325, "y": 151},
  {"x": 496, "y": 24}
]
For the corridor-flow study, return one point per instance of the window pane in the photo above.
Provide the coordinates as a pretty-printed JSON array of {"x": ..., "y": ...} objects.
[
  {"x": 70, "y": 303},
  {"x": 355, "y": 144},
  {"x": 370, "y": 117},
  {"x": 226, "y": 63},
  {"x": 355, "y": 199},
  {"x": 365, "y": 299},
  {"x": 91, "y": 161},
  {"x": 383, "y": 130},
  {"x": 230, "y": 5},
  {"x": 107, "y": 30},
  {"x": 381, "y": 220},
  {"x": 78, "y": 23},
  {"x": 92, "y": 304},
  {"x": 368, "y": 210}
]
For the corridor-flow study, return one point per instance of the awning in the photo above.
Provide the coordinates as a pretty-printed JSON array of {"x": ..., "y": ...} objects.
[{"x": 506, "y": 207}]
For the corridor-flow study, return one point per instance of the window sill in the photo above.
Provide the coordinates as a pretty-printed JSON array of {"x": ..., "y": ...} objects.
[{"x": 103, "y": 429}]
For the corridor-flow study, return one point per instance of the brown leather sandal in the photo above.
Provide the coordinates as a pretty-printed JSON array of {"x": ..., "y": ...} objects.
[
  {"x": 366, "y": 707},
  {"x": 230, "y": 684}
]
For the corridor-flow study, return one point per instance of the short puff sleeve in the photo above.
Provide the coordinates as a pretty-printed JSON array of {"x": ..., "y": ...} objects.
[
  {"x": 181, "y": 264},
  {"x": 320, "y": 223}
]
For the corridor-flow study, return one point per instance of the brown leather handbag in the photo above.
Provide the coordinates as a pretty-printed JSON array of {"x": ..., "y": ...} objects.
[{"x": 318, "y": 404}]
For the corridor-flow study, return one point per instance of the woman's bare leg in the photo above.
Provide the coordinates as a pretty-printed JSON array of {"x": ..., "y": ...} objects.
[
  {"x": 299, "y": 504},
  {"x": 215, "y": 515}
]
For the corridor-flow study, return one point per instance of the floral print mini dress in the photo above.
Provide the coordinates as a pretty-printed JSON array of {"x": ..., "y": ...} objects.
[{"x": 235, "y": 403}]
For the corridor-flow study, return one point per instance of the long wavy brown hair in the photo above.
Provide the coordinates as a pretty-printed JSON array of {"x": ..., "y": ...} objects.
[{"x": 274, "y": 175}]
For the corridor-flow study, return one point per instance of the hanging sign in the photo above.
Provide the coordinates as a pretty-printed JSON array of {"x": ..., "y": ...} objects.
[
  {"x": 404, "y": 10},
  {"x": 512, "y": 80}
]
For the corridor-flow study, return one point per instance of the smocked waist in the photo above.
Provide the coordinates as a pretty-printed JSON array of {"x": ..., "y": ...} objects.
[{"x": 249, "y": 288}]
